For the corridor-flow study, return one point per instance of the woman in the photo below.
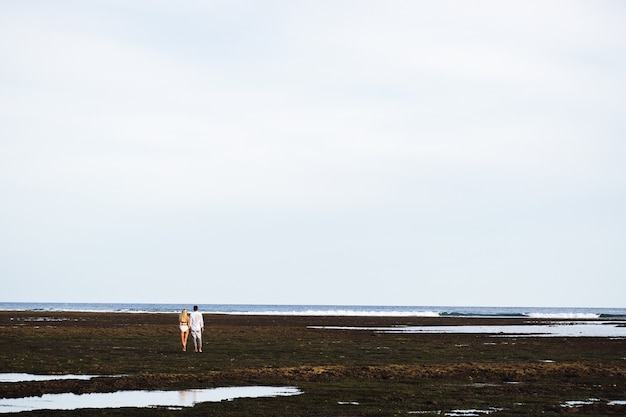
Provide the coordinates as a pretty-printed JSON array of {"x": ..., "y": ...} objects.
[{"x": 183, "y": 325}]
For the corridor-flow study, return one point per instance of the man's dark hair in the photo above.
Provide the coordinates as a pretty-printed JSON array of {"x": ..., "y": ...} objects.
[{"x": 195, "y": 308}]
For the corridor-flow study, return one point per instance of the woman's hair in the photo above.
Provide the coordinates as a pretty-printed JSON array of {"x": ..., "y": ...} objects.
[{"x": 182, "y": 317}]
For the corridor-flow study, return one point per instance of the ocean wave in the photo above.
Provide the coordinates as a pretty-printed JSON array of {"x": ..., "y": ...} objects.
[
  {"x": 613, "y": 316},
  {"x": 564, "y": 315},
  {"x": 475, "y": 314},
  {"x": 335, "y": 312}
]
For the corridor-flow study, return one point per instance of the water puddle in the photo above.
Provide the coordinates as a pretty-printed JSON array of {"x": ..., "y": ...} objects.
[
  {"x": 17, "y": 377},
  {"x": 142, "y": 399},
  {"x": 564, "y": 329},
  {"x": 472, "y": 412},
  {"x": 590, "y": 401},
  {"x": 460, "y": 413},
  {"x": 577, "y": 403}
]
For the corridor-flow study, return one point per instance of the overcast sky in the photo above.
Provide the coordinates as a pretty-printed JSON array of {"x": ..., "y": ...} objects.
[{"x": 314, "y": 152}]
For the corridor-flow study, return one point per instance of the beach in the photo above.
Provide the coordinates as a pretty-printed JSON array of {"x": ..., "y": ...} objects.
[{"x": 341, "y": 365}]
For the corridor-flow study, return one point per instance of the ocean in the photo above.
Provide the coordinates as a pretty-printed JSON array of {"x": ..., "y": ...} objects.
[{"x": 332, "y": 310}]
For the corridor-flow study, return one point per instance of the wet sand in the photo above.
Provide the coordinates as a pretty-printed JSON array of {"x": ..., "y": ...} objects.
[{"x": 341, "y": 372}]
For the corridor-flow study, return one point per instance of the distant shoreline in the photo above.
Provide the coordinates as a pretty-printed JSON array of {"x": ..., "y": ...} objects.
[{"x": 333, "y": 310}]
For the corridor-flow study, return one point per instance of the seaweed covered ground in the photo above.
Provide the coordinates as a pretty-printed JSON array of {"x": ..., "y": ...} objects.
[{"x": 340, "y": 372}]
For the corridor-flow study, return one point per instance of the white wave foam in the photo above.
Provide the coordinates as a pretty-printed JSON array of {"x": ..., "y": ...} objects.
[
  {"x": 336, "y": 312},
  {"x": 555, "y": 315}
]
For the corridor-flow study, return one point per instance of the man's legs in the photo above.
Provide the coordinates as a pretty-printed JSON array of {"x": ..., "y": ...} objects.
[{"x": 197, "y": 340}]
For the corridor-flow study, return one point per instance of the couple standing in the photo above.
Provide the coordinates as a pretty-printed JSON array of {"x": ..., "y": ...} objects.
[{"x": 193, "y": 322}]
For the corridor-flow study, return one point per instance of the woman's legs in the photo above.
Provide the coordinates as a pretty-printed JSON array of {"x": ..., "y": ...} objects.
[{"x": 183, "y": 339}]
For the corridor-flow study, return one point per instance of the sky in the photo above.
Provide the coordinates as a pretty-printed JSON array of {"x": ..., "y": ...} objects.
[{"x": 453, "y": 153}]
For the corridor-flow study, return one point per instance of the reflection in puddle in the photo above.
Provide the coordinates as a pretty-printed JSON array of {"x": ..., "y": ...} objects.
[{"x": 177, "y": 399}]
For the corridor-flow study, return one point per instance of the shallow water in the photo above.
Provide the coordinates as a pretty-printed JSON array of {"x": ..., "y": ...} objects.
[
  {"x": 459, "y": 412},
  {"x": 557, "y": 329},
  {"x": 17, "y": 377},
  {"x": 145, "y": 399}
]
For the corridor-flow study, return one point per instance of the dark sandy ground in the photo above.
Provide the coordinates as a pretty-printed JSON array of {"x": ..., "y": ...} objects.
[{"x": 341, "y": 372}]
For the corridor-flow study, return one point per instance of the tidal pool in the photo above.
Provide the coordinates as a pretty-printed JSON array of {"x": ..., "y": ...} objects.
[
  {"x": 18, "y": 377},
  {"x": 557, "y": 329},
  {"x": 141, "y": 399},
  {"x": 460, "y": 413}
]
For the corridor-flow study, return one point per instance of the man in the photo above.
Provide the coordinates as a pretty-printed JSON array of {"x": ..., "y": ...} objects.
[{"x": 197, "y": 327}]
